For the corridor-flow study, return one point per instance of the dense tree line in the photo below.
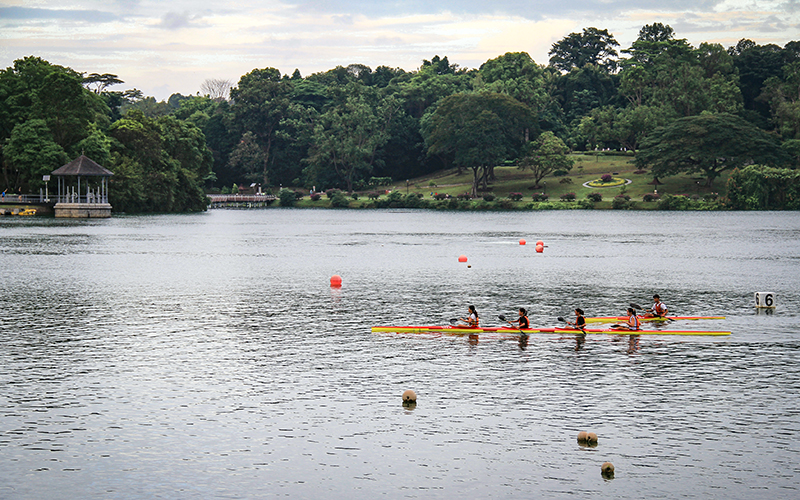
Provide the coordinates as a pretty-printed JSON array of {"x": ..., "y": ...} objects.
[{"x": 679, "y": 108}]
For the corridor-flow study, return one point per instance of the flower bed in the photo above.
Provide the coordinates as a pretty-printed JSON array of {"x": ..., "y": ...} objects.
[{"x": 598, "y": 183}]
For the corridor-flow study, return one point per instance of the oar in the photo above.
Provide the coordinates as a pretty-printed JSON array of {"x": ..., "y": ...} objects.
[{"x": 454, "y": 321}]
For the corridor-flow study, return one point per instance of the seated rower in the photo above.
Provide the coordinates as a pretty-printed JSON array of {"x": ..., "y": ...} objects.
[
  {"x": 472, "y": 320},
  {"x": 632, "y": 323},
  {"x": 522, "y": 322},
  {"x": 659, "y": 309},
  {"x": 580, "y": 321}
]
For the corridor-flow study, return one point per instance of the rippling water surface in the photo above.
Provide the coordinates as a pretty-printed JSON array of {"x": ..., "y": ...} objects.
[{"x": 206, "y": 356}]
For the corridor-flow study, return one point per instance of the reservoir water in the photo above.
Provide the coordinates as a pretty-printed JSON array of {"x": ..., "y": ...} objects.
[{"x": 207, "y": 356}]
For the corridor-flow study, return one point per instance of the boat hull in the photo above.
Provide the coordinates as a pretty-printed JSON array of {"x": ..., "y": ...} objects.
[
  {"x": 614, "y": 331},
  {"x": 460, "y": 331},
  {"x": 622, "y": 319}
]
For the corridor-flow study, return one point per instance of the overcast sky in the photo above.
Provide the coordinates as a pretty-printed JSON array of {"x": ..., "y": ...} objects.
[{"x": 163, "y": 47}]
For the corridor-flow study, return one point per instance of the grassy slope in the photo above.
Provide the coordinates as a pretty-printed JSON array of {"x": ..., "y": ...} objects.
[{"x": 586, "y": 168}]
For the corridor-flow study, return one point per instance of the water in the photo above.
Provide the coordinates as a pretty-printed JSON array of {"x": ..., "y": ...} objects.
[{"x": 206, "y": 356}]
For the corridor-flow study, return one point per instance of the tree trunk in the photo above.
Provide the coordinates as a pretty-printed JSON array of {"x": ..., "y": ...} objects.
[{"x": 475, "y": 181}]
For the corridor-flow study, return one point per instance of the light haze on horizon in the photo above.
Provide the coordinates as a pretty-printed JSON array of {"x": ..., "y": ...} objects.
[{"x": 170, "y": 47}]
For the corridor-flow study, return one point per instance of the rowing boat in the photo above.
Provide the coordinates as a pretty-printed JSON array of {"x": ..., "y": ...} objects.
[
  {"x": 614, "y": 331},
  {"x": 464, "y": 330},
  {"x": 457, "y": 330},
  {"x": 618, "y": 319}
]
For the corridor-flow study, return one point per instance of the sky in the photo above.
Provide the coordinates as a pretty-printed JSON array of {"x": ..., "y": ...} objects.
[{"x": 165, "y": 47}]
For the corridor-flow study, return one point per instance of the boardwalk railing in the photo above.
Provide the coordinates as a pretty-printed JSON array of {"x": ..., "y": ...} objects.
[{"x": 240, "y": 200}]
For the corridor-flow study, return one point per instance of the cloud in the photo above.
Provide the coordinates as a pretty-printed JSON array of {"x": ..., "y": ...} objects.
[
  {"x": 29, "y": 13},
  {"x": 175, "y": 20}
]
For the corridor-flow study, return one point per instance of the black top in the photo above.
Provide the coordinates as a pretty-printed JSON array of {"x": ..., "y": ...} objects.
[{"x": 523, "y": 322}]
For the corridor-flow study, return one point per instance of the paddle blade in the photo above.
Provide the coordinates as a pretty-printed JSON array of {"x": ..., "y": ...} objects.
[
  {"x": 453, "y": 321},
  {"x": 501, "y": 317},
  {"x": 561, "y": 319},
  {"x": 635, "y": 306}
]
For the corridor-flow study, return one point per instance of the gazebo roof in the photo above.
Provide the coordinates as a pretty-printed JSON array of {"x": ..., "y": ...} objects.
[{"x": 82, "y": 166}]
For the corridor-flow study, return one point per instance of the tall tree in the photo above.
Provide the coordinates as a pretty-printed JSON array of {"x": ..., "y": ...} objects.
[
  {"x": 592, "y": 46},
  {"x": 708, "y": 144},
  {"x": 480, "y": 130},
  {"x": 545, "y": 155}
]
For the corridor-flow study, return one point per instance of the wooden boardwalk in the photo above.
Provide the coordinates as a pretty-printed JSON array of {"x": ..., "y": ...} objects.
[{"x": 240, "y": 200}]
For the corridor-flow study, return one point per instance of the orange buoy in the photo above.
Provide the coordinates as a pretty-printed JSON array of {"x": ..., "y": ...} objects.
[
  {"x": 540, "y": 243},
  {"x": 336, "y": 280},
  {"x": 539, "y": 248},
  {"x": 462, "y": 258},
  {"x": 522, "y": 242}
]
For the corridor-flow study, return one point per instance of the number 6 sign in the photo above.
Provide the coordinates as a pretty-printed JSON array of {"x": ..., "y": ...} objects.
[{"x": 765, "y": 299}]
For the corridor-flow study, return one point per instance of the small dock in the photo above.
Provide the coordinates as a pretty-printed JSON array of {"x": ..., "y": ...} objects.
[{"x": 240, "y": 200}]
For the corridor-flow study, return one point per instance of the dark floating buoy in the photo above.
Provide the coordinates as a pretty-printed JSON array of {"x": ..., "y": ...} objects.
[
  {"x": 607, "y": 470},
  {"x": 591, "y": 439}
]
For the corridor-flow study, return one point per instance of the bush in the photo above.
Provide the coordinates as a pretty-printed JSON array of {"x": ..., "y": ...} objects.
[
  {"x": 621, "y": 201},
  {"x": 540, "y": 196},
  {"x": 566, "y": 180},
  {"x": 674, "y": 202},
  {"x": 339, "y": 200},
  {"x": 354, "y": 195},
  {"x": 374, "y": 195},
  {"x": 464, "y": 196},
  {"x": 316, "y": 197},
  {"x": 585, "y": 204},
  {"x": 395, "y": 196},
  {"x": 648, "y": 197},
  {"x": 710, "y": 196},
  {"x": 488, "y": 197},
  {"x": 606, "y": 178},
  {"x": 506, "y": 204},
  {"x": 515, "y": 196},
  {"x": 568, "y": 197},
  {"x": 594, "y": 196},
  {"x": 440, "y": 196},
  {"x": 287, "y": 197},
  {"x": 329, "y": 193}
]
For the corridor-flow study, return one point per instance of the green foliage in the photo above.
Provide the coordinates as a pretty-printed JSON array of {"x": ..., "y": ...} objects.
[
  {"x": 708, "y": 144},
  {"x": 515, "y": 196},
  {"x": 594, "y": 196},
  {"x": 339, "y": 200},
  {"x": 489, "y": 197},
  {"x": 585, "y": 204},
  {"x": 540, "y": 196},
  {"x": 621, "y": 202},
  {"x": 33, "y": 152},
  {"x": 546, "y": 155},
  {"x": 288, "y": 197},
  {"x": 592, "y": 46},
  {"x": 756, "y": 187},
  {"x": 568, "y": 197}
]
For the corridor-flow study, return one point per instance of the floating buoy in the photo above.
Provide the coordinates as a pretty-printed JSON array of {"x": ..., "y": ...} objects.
[
  {"x": 583, "y": 437},
  {"x": 409, "y": 398},
  {"x": 469, "y": 267},
  {"x": 607, "y": 470},
  {"x": 591, "y": 438},
  {"x": 540, "y": 243},
  {"x": 336, "y": 280},
  {"x": 539, "y": 248},
  {"x": 522, "y": 242},
  {"x": 462, "y": 258}
]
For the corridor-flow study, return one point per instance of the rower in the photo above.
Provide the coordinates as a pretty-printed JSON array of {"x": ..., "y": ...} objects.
[
  {"x": 580, "y": 321},
  {"x": 472, "y": 319},
  {"x": 522, "y": 322},
  {"x": 659, "y": 309},
  {"x": 632, "y": 323}
]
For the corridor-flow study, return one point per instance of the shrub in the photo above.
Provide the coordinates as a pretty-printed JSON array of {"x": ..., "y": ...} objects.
[
  {"x": 568, "y": 197},
  {"x": 374, "y": 195},
  {"x": 594, "y": 196},
  {"x": 710, "y": 196},
  {"x": 316, "y": 197},
  {"x": 648, "y": 197},
  {"x": 440, "y": 196},
  {"x": 673, "y": 202},
  {"x": 585, "y": 204},
  {"x": 329, "y": 193},
  {"x": 464, "y": 196},
  {"x": 506, "y": 204},
  {"x": 621, "y": 201},
  {"x": 339, "y": 200},
  {"x": 395, "y": 196},
  {"x": 540, "y": 196},
  {"x": 287, "y": 197},
  {"x": 515, "y": 196},
  {"x": 354, "y": 195},
  {"x": 488, "y": 197},
  {"x": 560, "y": 172},
  {"x": 566, "y": 180},
  {"x": 606, "y": 178},
  {"x": 432, "y": 184}
]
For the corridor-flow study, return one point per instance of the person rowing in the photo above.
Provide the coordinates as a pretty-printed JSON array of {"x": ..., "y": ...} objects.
[
  {"x": 472, "y": 319},
  {"x": 522, "y": 322},
  {"x": 658, "y": 310},
  {"x": 632, "y": 323},
  {"x": 580, "y": 321}
]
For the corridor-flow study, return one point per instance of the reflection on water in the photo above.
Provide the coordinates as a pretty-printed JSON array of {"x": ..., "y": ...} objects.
[{"x": 207, "y": 356}]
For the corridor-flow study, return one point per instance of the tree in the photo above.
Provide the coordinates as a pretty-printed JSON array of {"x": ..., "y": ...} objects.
[
  {"x": 708, "y": 144},
  {"x": 100, "y": 82},
  {"x": 593, "y": 46},
  {"x": 31, "y": 153},
  {"x": 480, "y": 130},
  {"x": 216, "y": 88},
  {"x": 260, "y": 103},
  {"x": 757, "y": 187},
  {"x": 347, "y": 136},
  {"x": 783, "y": 95},
  {"x": 545, "y": 155}
]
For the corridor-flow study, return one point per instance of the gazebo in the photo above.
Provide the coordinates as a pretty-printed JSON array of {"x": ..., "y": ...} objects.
[{"x": 82, "y": 174}]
